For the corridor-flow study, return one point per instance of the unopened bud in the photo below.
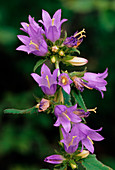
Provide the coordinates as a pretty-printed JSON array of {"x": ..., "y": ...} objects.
[
  {"x": 61, "y": 53},
  {"x": 83, "y": 154},
  {"x": 77, "y": 61},
  {"x": 54, "y": 48},
  {"x": 73, "y": 166},
  {"x": 53, "y": 59}
]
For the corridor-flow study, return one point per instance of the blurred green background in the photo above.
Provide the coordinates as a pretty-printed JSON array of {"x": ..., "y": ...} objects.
[{"x": 25, "y": 140}]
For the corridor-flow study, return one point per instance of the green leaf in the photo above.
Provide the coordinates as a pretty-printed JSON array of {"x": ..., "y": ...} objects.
[
  {"x": 16, "y": 111},
  {"x": 78, "y": 73},
  {"x": 91, "y": 163},
  {"x": 67, "y": 98},
  {"x": 38, "y": 64},
  {"x": 78, "y": 99}
]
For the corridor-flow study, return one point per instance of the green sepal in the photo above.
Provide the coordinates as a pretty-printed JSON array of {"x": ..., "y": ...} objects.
[
  {"x": 25, "y": 111},
  {"x": 39, "y": 63},
  {"x": 78, "y": 99},
  {"x": 67, "y": 98},
  {"x": 72, "y": 50},
  {"x": 91, "y": 163},
  {"x": 78, "y": 73}
]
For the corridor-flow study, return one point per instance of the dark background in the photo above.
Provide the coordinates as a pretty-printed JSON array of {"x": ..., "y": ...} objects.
[{"x": 25, "y": 140}]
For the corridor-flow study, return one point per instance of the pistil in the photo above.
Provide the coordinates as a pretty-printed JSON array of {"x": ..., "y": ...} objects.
[{"x": 32, "y": 43}]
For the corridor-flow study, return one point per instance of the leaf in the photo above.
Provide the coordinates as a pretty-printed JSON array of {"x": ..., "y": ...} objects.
[
  {"x": 78, "y": 98},
  {"x": 38, "y": 64},
  {"x": 91, "y": 163},
  {"x": 17, "y": 111},
  {"x": 78, "y": 73},
  {"x": 67, "y": 98}
]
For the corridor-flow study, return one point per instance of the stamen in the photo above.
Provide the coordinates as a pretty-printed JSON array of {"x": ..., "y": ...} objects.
[
  {"x": 80, "y": 33},
  {"x": 27, "y": 25},
  {"x": 64, "y": 113},
  {"x": 63, "y": 80},
  {"x": 93, "y": 110},
  {"x": 37, "y": 106},
  {"x": 72, "y": 140},
  {"x": 36, "y": 46},
  {"x": 90, "y": 139},
  {"x": 87, "y": 86},
  {"x": 47, "y": 78},
  {"x": 53, "y": 21}
]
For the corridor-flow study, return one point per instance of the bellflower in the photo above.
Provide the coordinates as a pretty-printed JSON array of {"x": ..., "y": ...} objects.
[
  {"x": 52, "y": 26},
  {"x": 64, "y": 82},
  {"x": 86, "y": 135},
  {"x": 54, "y": 159},
  {"x": 75, "y": 40},
  {"x": 35, "y": 43},
  {"x": 65, "y": 116},
  {"x": 96, "y": 81},
  {"x": 70, "y": 141},
  {"x": 81, "y": 113},
  {"x": 47, "y": 81},
  {"x": 33, "y": 24}
]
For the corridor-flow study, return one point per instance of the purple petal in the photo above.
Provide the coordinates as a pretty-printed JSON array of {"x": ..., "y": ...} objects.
[
  {"x": 36, "y": 77},
  {"x": 46, "y": 18},
  {"x": 57, "y": 123},
  {"x": 23, "y": 48},
  {"x": 24, "y": 39},
  {"x": 53, "y": 34},
  {"x": 88, "y": 144},
  {"x": 45, "y": 71},
  {"x": 67, "y": 88},
  {"x": 57, "y": 17}
]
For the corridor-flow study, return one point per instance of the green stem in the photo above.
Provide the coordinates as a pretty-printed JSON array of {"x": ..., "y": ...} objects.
[{"x": 57, "y": 66}]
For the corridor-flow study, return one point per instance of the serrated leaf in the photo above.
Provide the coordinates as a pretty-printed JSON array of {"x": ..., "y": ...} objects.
[
  {"x": 78, "y": 73},
  {"x": 25, "y": 111},
  {"x": 78, "y": 99},
  {"x": 67, "y": 98},
  {"x": 38, "y": 64},
  {"x": 91, "y": 163}
]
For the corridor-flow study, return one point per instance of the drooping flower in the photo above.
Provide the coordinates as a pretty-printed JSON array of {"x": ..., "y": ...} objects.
[
  {"x": 96, "y": 81},
  {"x": 92, "y": 81},
  {"x": 52, "y": 26},
  {"x": 86, "y": 135},
  {"x": 47, "y": 81},
  {"x": 70, "y": 141},
  {"x": 64, "y": 82},
  {"x": 33, "y": 24},
  {"x": 43, "y": 105},
  {"x": 54, "y": 159},
  {"x": 75, "y": 40},
  {"x": 65, "y": 116},
  {"x": 35, "y": 43}
]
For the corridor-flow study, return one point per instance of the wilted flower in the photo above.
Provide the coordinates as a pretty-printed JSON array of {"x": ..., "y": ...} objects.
[
  {"x": 64, "y": 82},
  {"x": 43, "y": 105},
  {"x": 75, "y": 40},
  {"x": 54, "y": 159},
  {"x": 65, "y": 116},
  {"x": 35, "y": 43},
  {"x": 82, "y": 113},
  {"x": 86, "y": 135},
  {"x": 47, "y": 81},
  {"x": 70, "y": 141},
  {"x": 96, "y": 81},
  {"x": 52, "y": 25},
  {"x": 77, "y": 61}
]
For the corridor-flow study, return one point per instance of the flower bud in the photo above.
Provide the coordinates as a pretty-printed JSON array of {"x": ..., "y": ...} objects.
[
  {"x": 54, "y": 48},
  {"x": 77, "y": 61},
  {"x": 61, "y": 53},
  {"x": 53, "y": 59},
  {"x": 54, "y": 159},
  {"x": 83, "y": 154}
]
